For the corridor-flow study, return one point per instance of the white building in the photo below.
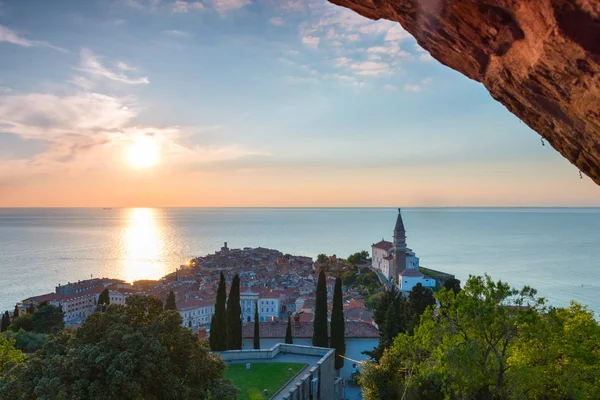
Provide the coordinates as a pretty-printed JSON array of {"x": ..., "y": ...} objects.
[
  {"x": 248, "y": 301},
  {"x": 410, "y": 277},
  {"x": 269, "y": 306},
  {"x": 196, "y": 313},
  {"x": 382, "y": 257},
  {"x": 397, "y": 262}
]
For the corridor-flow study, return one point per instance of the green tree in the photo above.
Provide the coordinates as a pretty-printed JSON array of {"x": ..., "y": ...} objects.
[
  {"x": 322, "y": 258},
  {"x": 320, "y": 337},
  {"x": 5, "y": 322},
  {"x": 358, "y": 258},
  {"x": 470, "y": 349},
  {"x": 219, "y": 326},
  {"x": 256, "y": 328},
  {"x": 234, "y": 316},
  {"x": 338, "y": 325},
  {"x": 419, "y": 299},
  {"x": 171, "y": 302},
  {"x": 48, "y": 319},
  {"x": 288, "y": 332},
  {"x": 22, "y": 322},
  {"x": 452, "y": 284},
  {"x": 103, "y": 300},
  {"x": 16, "y": 312},
  {"x": 8, "y": 354},
  {"x": 138, "y": 351},
  {"x": 27, "y": 342}
]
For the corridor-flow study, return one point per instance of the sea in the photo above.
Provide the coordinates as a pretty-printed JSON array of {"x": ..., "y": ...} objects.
[{"x": 555, "y": 250}]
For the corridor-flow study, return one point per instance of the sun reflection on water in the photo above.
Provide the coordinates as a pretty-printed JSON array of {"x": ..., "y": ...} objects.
[{"x": 143, "y": 246}]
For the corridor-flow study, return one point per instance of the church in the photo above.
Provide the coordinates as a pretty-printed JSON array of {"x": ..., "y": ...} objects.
[{"x": 397, "y": 262}]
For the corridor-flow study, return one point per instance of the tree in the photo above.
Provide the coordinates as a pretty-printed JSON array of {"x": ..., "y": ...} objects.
[
  {"x": 234, "y": 316},
  {"x": 322, "y": 258},
  {"x": 490, "y": 341},
  {"x": 452, "y": 284},
  {"x": 288, "y": 332},
  {"x": 5, "y": 322},
  {"x": 103, "y": 300},
  {"x": 419, "y": 299},
  {"x": 8, "y": 354},
  {"x": 320, "y": 337},
  {"x": 360, "y": 257},
  {"x": 338, "y": 325},
  {"x": 256, "y": 328},
  {"x": 16, "y": 312},
  {"x": 27, "y": 342},
  {"x": 48, "y": 319},
  {"x": 218, "y": 328},
  {"x": 171, "y": 302},
  {"x": 22, "y": 322},
  {"x": 138, "y": 351}
]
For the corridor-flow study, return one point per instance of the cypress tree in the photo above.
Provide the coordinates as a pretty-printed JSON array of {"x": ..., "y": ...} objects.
[
  {"x": 219, "y": 326},
  {"x": 211, "y": 337},
  {"x": 5, "y": 322},
  {"x": 256, "y": 328},
  {"x": 171, "y": 302},
  {"x": 16, "y": 313},
  {"x": 234, "y": 316},
  {"x": 338, "y": 325},
  {"x": 103, "y": 300},
  {"x": 288, "y": 332},
  {"x": 320, "y": 337}
]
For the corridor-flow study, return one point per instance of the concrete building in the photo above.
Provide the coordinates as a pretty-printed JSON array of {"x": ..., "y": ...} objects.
[
  {"x": 248, "y": 300},
  {"x": 410, "y": 277},
  {"x": 268, "y": 306},
  {"x": 316, "y": 381},
  {"x": 196, "y": 313},
  {"x": 360, "y": 336}
]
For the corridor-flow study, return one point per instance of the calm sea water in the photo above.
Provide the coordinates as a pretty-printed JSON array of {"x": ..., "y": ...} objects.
[{"x": 556, "y": 251}]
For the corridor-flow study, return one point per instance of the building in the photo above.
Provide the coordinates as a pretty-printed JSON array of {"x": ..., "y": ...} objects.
[
  {"x": 397, "y": 262},
  {"x": 248, "y": 301},
  {"x": 316, "y": 381},
  {"x": 269, "y": 306},
  {"x": 196, "y": 313}
]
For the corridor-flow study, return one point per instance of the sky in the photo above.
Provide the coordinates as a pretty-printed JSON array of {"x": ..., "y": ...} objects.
[{"x": 266, "y": 103}]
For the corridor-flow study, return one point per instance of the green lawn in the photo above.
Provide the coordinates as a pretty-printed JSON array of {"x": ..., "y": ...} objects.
[{"x": 271, "y": 376}]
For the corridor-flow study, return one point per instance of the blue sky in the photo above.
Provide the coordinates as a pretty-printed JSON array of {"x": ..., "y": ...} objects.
[{"x": 252, "y": 103}]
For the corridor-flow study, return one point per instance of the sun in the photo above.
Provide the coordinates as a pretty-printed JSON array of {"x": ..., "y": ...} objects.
[{"x": 143, "y": 153}]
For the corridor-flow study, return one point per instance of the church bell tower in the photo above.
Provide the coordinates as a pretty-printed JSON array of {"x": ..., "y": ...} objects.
[{"x": 399, "y": 248}]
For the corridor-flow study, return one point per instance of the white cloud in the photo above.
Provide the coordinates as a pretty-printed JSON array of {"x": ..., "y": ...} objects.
[
  {"x": 423, "y": 54},
  {"x": 396, "y": 33},
  {"x": 175, "y": 32},
  {"x": 228, "y": 5},
  {"x": 126, "y": 67},
  {"x": 10, "y": 36},
  {"x": 390, "y": 87},
  {"x": 184, "y": 6},
  {"x": 412, "y": 88},
  {"x": 91, "y": 65},
  {"x": 277, "y": 21},
  {"x": 311, "y": 41},
  {"x": 371, "y": 68},
  {"x": 48, "y": 116}
]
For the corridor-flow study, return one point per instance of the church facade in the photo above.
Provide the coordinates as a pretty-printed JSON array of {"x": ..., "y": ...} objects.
[{"x": 397, "y": 262}]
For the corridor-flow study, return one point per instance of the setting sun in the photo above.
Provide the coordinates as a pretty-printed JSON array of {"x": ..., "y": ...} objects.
[{"x": 143, "y": 153}]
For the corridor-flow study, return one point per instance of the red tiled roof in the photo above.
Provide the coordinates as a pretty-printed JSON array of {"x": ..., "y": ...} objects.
[
  {"x": 194, "y": 303},
  {"x": 354, "y": 329},
  {"x": 384, "y": 245},
  {"x": 46, "y": 297}
]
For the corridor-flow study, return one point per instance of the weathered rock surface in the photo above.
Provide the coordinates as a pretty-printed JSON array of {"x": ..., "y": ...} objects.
[{"x": 540, "y": 58}]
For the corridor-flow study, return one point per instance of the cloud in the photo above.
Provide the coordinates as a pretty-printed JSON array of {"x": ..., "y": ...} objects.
[
  {"x": 228, "y": 5},
  {"x": 91, "y": 65},
  {"x": 126, "y": 67},
  {"x": 10, "y": 36},
  {"x": 184, "y": 6},
  {"x": 423, "y": 54},
  {"x": 371, "y": 68},
  {"x": 47, "y": 116},
  {"x": 175, "y": 32},
  {"x": 390, "y": 87},
  {"x": 396, "y": 33},
  {"x": 311, "y": 41},
  {"x": 277, "y": 21},
  {"x": 412, "y": 88}
]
